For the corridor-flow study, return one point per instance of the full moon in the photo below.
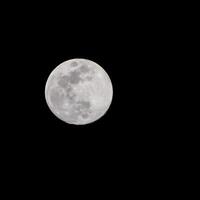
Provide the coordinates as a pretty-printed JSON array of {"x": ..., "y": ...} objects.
[{"x": 78, "y": 91}]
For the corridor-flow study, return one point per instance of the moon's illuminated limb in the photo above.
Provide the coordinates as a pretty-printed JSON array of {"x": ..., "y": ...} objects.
[{"x": 97, "y": 90}]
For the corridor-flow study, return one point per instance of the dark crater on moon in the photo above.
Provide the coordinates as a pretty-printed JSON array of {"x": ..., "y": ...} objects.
[{"x": 74, "y": 64}]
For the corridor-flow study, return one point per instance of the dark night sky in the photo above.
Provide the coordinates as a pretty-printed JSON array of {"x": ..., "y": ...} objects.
[{"x": 135, "y": 49}]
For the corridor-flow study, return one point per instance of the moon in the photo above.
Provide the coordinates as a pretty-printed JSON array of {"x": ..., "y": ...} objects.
[{"x": 78, "y": 91}]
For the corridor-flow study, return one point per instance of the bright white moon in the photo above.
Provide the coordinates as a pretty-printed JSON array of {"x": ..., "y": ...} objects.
[{"x": 78, "y": 91}]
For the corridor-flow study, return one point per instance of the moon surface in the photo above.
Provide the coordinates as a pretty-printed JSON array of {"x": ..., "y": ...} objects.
[{"x": 78, "y": 91}]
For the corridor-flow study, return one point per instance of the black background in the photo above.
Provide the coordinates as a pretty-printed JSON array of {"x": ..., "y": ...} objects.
[
  {"x": 134, "y": 46},
  {"x": 129, "y": 48}
]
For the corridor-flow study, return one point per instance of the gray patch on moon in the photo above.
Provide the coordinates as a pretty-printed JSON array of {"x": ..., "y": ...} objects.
[
  {"x": 81, "y": 108},
  {"x": 74, "y": 64},
  {"x": 63, "y": 81},
  {"x": 57, "y": 97},
  {"x": 74, "y": 77},
  {"x": 89, "y": 78},
  {"x": 84, "y": 69},
  {"x": 66, "y": 82}
]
